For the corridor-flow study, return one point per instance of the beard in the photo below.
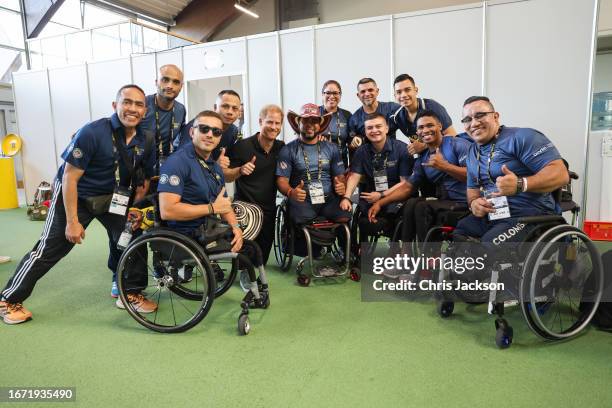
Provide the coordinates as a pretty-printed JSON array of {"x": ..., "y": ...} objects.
[{"x": 306, "y": 136}]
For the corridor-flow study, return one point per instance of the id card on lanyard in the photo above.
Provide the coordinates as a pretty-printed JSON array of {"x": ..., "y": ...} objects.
[
  {"x": 381, "y": 182},
  {"x": 315, "y": 188},
  {"x": 161, "y": 157},
  {"x": 500, "y": 203},
  {"x": 121, "y": 195}
]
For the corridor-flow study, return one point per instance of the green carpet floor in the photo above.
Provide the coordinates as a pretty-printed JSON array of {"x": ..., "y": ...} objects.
[{"x": 314, "y": 347}]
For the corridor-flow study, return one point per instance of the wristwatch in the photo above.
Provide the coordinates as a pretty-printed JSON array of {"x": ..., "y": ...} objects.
[
  {"x": 519, "y": 185},
  {"x": 236, "y": 225}
]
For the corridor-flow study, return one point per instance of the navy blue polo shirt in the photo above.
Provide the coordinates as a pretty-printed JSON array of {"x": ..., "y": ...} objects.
[
  {"x": 182, "y": 174},
  {"x": 455, "y": 152},
  {"x": 402, "y": 121},
  {"x": 291, "y": 164},
  {"x": 525, "y": 151},
  {"x": 338, "y": 130},
  {"x": 387, "y": 109},
  {"x": 398, "y": 162},
  {"x": 167, "y": 131},
  {"x": 465, "y": 136},
  {"x": 91, "y": 150},
  {"x": 228, "y": 138}
]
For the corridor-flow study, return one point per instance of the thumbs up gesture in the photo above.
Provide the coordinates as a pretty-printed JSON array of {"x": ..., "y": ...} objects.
[
  {"x": 339, "y": 185},
  {"x": 222, "y": 205},
  {"x": 436, "y": 160},
  {"x": 223, "y": 160},
  {"x": 507, "y": 184},
  {"x": 248, "y": 167},
  {"x": 298, "y": 193}
]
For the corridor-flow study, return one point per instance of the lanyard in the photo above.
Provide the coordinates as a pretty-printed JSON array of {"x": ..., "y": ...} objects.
[
  {"x": 376, "y": 161},
  {"x": 124, "y": 157},
  {"x": 206, "y": 168},
  {"x": 158, "y": 138},
  {"x": 307, "y": 162},
  {"x": 337, "y": 134},
  {"x": 478, "y": 180}
]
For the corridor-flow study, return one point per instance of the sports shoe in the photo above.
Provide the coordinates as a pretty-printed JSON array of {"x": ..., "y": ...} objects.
[
  {"x": 3, "y": 304},
  {"x": 140, "y": 303},
  {"x": 114, "y": 290},
  {"x": 15, "y": 313}
]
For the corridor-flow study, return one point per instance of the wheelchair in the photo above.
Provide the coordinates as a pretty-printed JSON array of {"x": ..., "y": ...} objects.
[
  {"x": 184, "y": 276},
  {"x": 555, "y": 276},
  {"x": 290, "y": 240}
]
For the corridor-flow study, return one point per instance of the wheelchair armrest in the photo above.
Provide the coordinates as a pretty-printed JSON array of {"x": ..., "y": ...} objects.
[{"x": 537, "y": 219}]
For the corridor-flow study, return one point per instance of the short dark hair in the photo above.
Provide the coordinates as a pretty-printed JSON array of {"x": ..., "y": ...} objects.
[
  {"x": 429, "y": 114},
  {"x": 374, "y": 115},
  {"x": 208, "y": 114},
  {"x": 365, "y": 81},
  {"x": 128, "y": 86},
  {"x": 228, "y": 92},
  {"x": 331, "y": 81},
  {"x": 477, "y": 98},
  {"x": 403, "y": 77}
]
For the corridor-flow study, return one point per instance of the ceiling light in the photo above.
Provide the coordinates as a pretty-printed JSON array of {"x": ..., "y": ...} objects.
[{"x": 245, "y": 10}]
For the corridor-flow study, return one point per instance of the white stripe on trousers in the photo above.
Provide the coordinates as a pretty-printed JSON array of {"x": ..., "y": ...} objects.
[{"x": 23, "y": 271}]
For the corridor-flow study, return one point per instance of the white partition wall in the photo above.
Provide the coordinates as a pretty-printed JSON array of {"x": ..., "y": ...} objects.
[
  {"x": 263, "y": 76},
  {"x": 70, "y": 101},
  {"x": 446, "y": 68},
  {"x": 539, "y": 76},
  {"x": 350, "y": 52},
  {"x": 297, "y": 73},
  {"x": 35, "y": 128},
  {"x": 532, "y": 57},
  {"x": 144, "y": 72},
  {"x": 105, "y": 78}
]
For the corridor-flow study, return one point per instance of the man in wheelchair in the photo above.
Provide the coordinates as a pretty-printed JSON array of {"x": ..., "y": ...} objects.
[
  {"x": 511, "y": 174},
  {"x": 379, "y": 166},
  {"x": 310, "y": 171}
]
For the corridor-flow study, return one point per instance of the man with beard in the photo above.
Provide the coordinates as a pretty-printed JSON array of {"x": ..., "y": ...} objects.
[
  {"x": 253, "y": 166},
  {"x": 310, "y": 172},
  {"x": 165, "y": 116}
]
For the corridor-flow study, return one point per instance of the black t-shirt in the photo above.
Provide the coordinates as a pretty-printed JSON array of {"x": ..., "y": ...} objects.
[{"x": 260, "y": 186}]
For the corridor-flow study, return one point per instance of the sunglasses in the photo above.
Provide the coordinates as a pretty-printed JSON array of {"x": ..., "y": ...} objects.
[
  {"x": 477, "y": 116},
  {"x": 205, "y": 129}
]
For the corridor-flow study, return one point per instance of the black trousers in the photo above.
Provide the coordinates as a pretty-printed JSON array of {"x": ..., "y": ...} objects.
[
  {"x": 53, "y": 246},
  {"x": 420, "y": 215},
  {"x": 265, "y": 239}
]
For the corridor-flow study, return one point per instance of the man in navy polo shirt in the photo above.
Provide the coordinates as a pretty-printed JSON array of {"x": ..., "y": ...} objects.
[
  {"x": 511, "y": 173},
  {"x": 442, "y": 165},
  {"x": 191, "y": 184},
  {"x": 384, "y": 162},
  {"x": 310, "y": 172},
  {"x": 228, "y": 107},
  {"x": 404, "y": 118},
  {"x": 165, "y": 116},
  {"x": 367, "y": 92},
  {"x": 94, "y": 167}
]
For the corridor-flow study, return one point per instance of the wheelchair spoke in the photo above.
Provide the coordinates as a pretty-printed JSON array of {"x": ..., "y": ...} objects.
[{"x": 172, "y": 306}]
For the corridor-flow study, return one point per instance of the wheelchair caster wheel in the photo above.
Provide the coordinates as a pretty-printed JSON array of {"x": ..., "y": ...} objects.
[
  {"x": 355, "y": 275},
  {"x": 504, "y": 334},
  {"x": 244, "y": 326},
  {"x": 303, "y": 280},
  {"x": 445, "y": 309}
]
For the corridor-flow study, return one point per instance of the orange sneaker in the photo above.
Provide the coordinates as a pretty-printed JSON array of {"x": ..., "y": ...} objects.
[
  {"x": 15, "y": 313},
  {"x": 140, "y": 303}
]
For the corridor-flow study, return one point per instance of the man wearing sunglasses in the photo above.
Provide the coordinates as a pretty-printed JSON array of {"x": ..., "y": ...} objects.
[
  {"x": 191, "y": 184},
  {"x": 404, "y": 118},
  {"x": 165, "y": 115},
  {"x": 511, "y": 174},
  {"x": 228, "y": 107}
]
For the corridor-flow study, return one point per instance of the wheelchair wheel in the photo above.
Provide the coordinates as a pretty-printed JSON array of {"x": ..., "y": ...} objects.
[
  {"x": 561, "y": 284},
  {"x": 283, "y": 238},
  {"x": 171, "y": 270},
  {"x": 225, "y": 271},
  {"x": 372, "y": 240}
]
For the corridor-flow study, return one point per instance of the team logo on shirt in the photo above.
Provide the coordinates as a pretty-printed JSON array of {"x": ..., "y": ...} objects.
[
  {"x": 283, "y": 165},
  {"x": 163, "y": 179},
  {"x": 138, "y": 151},
  {"x": 77, "y": 153},
  {"x": 175, "y": 180}
]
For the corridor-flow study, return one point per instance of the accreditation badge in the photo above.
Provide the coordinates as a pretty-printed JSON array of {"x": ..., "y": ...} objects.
[
  {"x": 380, "y": 180},
  {"x": 120, "y": 200},
  {"x": 317, "y": 195},
  {"x": 502, "y": 209}
]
